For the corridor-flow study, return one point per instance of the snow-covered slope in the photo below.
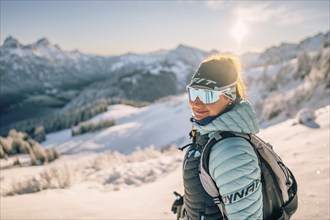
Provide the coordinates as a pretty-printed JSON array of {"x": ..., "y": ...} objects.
[
  {"x": 140, "y": 186},
  {"x": 279, "y": 90},
  {"x": 160, "y": 124}
]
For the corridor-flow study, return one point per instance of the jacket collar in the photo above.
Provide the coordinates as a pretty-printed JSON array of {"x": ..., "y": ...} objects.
[{"x": 241, "y": 118}]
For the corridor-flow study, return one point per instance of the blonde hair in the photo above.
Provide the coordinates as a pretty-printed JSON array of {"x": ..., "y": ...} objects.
[{"x": 233, "y": 63}]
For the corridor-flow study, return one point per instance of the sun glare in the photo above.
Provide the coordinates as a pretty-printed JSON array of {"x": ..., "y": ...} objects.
[{"x": 239, "y": 31}]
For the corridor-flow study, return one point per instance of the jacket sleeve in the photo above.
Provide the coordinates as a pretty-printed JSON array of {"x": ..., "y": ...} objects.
[{"x": 234, "y": 167}]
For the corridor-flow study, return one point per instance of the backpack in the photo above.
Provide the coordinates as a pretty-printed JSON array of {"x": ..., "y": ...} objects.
[{"x": 279, "y": 186}]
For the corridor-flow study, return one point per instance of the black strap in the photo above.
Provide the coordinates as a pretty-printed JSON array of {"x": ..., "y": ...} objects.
[
  {"x": 185, "y": 146},
  {"x": 192, "y": 135}
]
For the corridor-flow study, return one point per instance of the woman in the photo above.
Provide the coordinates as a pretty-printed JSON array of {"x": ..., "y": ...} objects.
[{"x": 216, "y": 98}]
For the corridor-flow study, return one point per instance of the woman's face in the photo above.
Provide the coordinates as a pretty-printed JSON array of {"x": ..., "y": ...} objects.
[{"x": 201, "y": 110}]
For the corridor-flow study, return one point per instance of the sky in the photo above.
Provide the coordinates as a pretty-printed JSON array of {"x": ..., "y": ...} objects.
[{"x": 118, "y": 27}]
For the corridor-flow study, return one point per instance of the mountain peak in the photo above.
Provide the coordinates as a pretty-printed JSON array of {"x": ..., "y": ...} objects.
[
  {"x": 183, "y": 47},
  {"x": 43, "y": 42},
  {"x": 11, "y": 42},
  {"x": 313, "y": 43}
]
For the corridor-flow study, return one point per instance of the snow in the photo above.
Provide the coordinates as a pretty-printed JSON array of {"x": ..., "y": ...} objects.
[
  {"x": 117, "y": 66},
  {"x": 139, "y": 182},
  {"x": 132, "y": 125},
  {"x": 312, "y": 43},
  {"x": 305, "y": 116},
  {"x": 124, "y": 171}
]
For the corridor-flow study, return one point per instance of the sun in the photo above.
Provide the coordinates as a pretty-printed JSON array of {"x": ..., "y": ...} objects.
[{"x": 239, "y": 31}]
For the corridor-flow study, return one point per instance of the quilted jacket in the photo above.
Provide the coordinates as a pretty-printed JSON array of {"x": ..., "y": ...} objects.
[{"x": 233, "y": 163}]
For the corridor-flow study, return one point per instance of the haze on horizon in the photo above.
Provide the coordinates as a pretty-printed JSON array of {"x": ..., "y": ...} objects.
[{"x": 118, "y": 27}]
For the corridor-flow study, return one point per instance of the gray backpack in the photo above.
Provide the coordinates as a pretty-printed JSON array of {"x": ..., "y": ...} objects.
[{"x": 279, "y": 186}]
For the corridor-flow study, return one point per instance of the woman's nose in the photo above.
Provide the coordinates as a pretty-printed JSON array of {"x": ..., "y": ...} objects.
[{"x": 198, "y": 101}]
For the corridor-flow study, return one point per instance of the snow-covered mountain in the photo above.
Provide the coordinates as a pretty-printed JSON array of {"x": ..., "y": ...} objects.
[
  {"x": 280, "y": 80},
  {"x": 285, "y": 51},
  {"x": 45, "y": 69},
  {"x": 144, "y": 77},
  {"x": 284, "y": 79}
]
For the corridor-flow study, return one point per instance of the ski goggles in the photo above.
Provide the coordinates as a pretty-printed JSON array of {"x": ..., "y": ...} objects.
[{"x": 206, "y": 96}]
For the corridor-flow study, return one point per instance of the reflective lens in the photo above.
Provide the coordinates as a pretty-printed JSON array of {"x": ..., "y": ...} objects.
[{"x": 206, "y": 96}]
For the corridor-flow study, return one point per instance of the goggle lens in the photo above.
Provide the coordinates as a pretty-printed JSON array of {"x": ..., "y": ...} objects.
[{"x": 207, "y": 97}]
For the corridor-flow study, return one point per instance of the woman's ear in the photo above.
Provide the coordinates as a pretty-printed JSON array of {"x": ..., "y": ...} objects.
[{"x": 228, "y": 101}]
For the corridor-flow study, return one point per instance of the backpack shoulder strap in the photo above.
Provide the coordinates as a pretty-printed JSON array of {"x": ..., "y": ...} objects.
[
  {"x": 216, "y": 137},
  {"x": 204, "y": 174}
]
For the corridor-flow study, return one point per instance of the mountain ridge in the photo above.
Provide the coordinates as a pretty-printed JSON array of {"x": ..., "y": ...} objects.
[
  {"x": 42, "y": 68},
  {"x": 54, "y": 69}
]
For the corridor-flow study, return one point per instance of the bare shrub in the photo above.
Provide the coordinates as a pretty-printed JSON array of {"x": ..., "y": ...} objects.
[
  {"x": 112, "y": 159},
  {"x": 112, "y": 170},
  {"x": 20, "y": 146},
  {"x": 7, "y": 145},
  {"x": 143, "y": 154},
  {"x": 3, "y": 154},
  {"x": 108, "y": 159},
  {"x": 57, "y": 177},
  {"x": 54, "y": 178},
  {"x": 40, "y": 154},
  {"x": 85, "y": 127},
  {"x": 39, "y": 133},
  {"x": 50, "y": 154},
  {"x": 57, "y": 153},
  {"x": 20, "y": 142}
]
